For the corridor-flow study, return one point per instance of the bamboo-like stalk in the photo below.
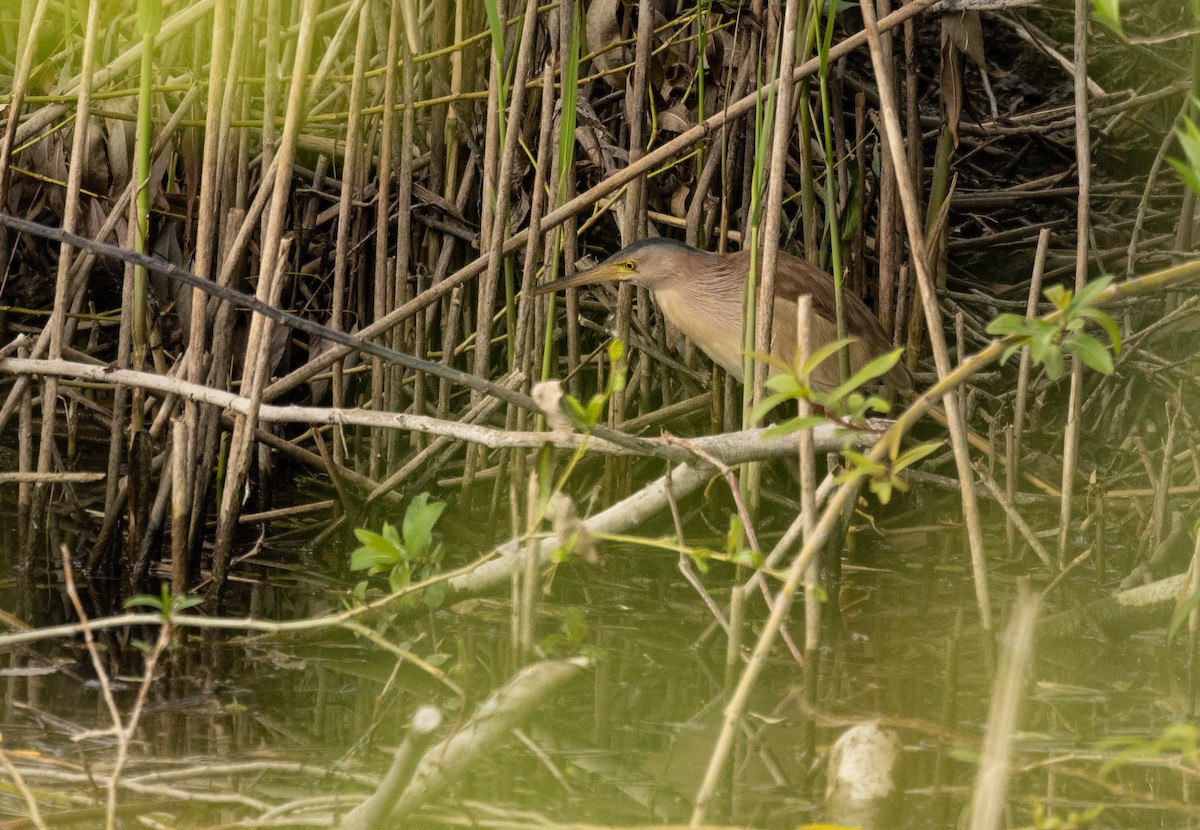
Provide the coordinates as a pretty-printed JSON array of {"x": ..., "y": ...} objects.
[
  {"x": 490, "y": 280},
  {"x": 26, "y": 544},
  {"x": 383, "y": 274},
  {"x": 781, "y": 134},
  {"x": 270, "y": 282},
  {"x": 403, "y": 336},
  {"x": 351, "y": 175},
  {"x": 1020, "y": 401},
  {"x": 29, "y": 30},
  {"x": 56, "y": 325},
  {"x": 808, "y": 521},
  {"x": 957, "y": 424}
]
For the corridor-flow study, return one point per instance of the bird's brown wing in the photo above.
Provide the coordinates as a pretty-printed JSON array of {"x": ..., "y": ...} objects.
[{"x": 795, "y": 277}]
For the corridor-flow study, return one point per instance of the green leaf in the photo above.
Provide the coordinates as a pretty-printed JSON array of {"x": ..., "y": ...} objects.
[
  {"x": 764, "y": 407},
  {"x": 915, "y": 454},
  {"x": 1108, "y": 12},
  {"x": 1182, "y": 611},
  {"x": 1091, "y": 351},
  {"x": 1041, "y": 344},
  {"x": 783, "y": 383},
  {"x": 1106, "y": 322},
  {"x": 372, "y": 539},
  {"x": 822, "y": 354},
  {"x": 1190, "y": 176},
  {"x": 435, "y": 595},
  {"x": 372, "y": 560},
  {"x": 145, "y": 600},
  {"x": 1054, "y": 363},
  {"x": 419, "y": 519},
  {"x": 1060, "y": 295},
  {"x": 876, "y": 367},
  {"x": 574, "y": 409},
  {"x": 795, "y": 425},
  {"x": 1010, "y": 350},
  {"x": 1189, "y": 140},
  {"x": 399, "y": 577},
  {"x": 1087, "y": 295},
  {"x": 882, "y": 491},
  {"x": 1007, "y": 324}
]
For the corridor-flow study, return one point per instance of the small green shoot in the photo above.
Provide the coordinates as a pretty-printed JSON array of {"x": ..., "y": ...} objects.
[
  {"x": 735, "y": 549},
  {"x": 586, "y": 417},
  {"x": 401, "y": 554},
  {"x": 1048, "y": 339}
]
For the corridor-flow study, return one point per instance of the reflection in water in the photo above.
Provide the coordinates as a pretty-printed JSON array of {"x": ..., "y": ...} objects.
[{"x": 255, "y": 721}]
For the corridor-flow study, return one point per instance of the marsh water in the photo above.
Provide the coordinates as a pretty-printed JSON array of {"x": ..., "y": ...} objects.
[{"x": 316, "y": 715}]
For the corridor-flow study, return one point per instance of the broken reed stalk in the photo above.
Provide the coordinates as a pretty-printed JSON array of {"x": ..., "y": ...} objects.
[
  {"x": 1083, "y": 165},
  {"x": 1020, "y": 401},
  {"x": 937, "y": 338}
]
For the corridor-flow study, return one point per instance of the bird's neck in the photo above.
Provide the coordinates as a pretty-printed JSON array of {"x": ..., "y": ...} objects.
[{"x": 701, "y": 310}]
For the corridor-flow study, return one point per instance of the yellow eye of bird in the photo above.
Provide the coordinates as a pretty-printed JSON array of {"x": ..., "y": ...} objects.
[{"x": 628, "y": 265}]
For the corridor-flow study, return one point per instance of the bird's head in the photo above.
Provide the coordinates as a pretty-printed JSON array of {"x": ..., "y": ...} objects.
[{"x": 651, "y": 263}]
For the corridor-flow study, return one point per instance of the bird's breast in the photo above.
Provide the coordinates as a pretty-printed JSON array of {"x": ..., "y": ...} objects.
[{"x": 715, "y": 331}]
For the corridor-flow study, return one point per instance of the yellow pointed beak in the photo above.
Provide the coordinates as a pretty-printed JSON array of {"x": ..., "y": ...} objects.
[{"x": 606, "y": 272}]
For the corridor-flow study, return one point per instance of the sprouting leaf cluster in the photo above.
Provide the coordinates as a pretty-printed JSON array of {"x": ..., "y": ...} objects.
[
  {"x": 166, "y": 603},
  {"x": 1177, "y": 739},
  {"x": 403, "y": 554},
  {"x": 848, "y": 404},
  {"x": 1044, "y": 819},
  {"x": 1048, "y": 339},
  {"x": 883, "y": 477},
  {"x": 586, "y": 417},
  {"x": 845, "y": 402}
]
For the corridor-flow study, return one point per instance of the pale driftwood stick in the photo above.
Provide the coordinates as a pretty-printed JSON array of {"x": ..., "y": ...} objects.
[
  {"x": 656, "y": 496},
  {"x": 50, "y": 478},
  {"x": 373, "y": 813},
  {"x": 732, "y": 448},
  {"x": 505, "y": 709},
  {"x": 944, "y": 6},
  {"x": 1137, "y": 609}
]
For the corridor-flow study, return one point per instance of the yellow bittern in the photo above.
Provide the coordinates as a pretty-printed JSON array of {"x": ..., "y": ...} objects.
[{"x": 703, "y": 294}]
